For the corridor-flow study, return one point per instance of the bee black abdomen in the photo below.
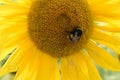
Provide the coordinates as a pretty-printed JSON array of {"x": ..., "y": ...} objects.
[{"x": 76, "y": 30}]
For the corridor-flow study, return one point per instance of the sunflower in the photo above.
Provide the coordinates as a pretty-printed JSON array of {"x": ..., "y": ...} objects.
[{"x": 58, "y": 39}]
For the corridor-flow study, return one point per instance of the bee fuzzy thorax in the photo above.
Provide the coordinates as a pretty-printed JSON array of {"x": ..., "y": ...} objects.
[
  {"x": 75, "y": 34},
  {"x": 55, "y": 24}
]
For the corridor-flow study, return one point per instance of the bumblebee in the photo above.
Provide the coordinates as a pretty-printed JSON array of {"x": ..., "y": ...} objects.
[{"x": 75, "y": 34}]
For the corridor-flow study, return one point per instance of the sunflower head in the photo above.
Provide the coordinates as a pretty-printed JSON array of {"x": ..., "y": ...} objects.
[
  {"x": 50, "y": 24},
  {"x": 59, "y": 28}
]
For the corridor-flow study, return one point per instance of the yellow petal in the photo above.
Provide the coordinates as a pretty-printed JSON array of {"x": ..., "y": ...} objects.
[
  {"x": 93, "y": 72},
  {"x": 13, "y": 61},
  {"x": 108, "y": 8},
  {"x": 8, "y": 46},
  {"x": 78, "y": 67},
  {"x": 5, "y": 52},
  {"x": 101, "y": 35},
  {"x": 10, "y": 29},
  {"x": 9, "y": 10},
  {"x": 25, "y": 70},
  {"x": 11, "y": 32},
  {"x": 106, "y": 26},
  {"x": 10, "y": 36},
  {"x": 13, "y": 22},
  {"x": 96, "y": 2},
  {"x": 74, "y": 67},
  {"x": 115, "y": 48},
  {"x": 102, "y": 57},
  {"x": 25, "y": 3},
  {"x": 38, "y": 66},
  {"x": 15, "y": 40}
]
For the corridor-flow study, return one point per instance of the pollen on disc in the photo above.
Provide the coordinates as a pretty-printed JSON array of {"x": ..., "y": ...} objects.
[{"x": 50, "y": 22}]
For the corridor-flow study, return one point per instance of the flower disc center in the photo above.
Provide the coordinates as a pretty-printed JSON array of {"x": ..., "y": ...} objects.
[{"x": 59, "y": 27}]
